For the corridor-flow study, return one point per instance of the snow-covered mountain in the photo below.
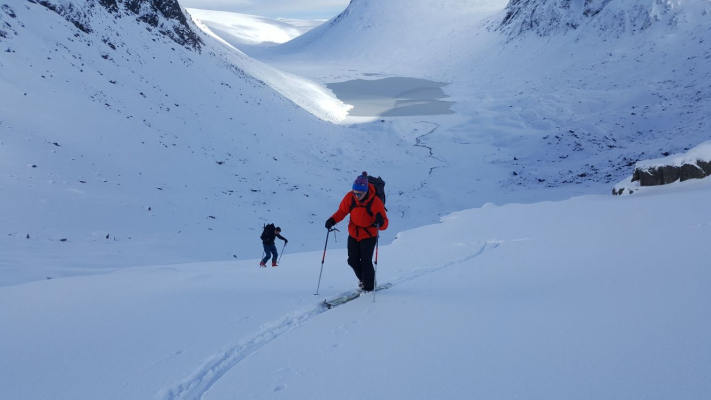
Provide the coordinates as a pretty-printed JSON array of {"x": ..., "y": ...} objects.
[
  {"x": 564, "y": 93},
  {"x": 122, "y": 119},
  {"x": 551, "y": 17},
  {"x": 399, "y": 36},
  {"x": 130, "y": 138},
  {"x": 127, "y": 135}
]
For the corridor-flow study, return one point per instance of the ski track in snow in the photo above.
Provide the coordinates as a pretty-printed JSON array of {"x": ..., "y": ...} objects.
[{"x": 199, "y": 382}]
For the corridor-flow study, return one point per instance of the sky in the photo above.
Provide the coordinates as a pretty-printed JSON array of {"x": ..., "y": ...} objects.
[{"x": 299, "y": 9}]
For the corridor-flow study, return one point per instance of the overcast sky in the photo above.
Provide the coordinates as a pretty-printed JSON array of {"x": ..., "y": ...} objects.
[{"x": 301, "y": 9}]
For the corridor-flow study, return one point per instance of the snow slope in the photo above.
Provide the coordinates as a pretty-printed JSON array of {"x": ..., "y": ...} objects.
[
  {"x": 593, "y": 297},
  {"x": 119, "y": 146},
  {"x": 149, "y": 148},
  {"x": 248, "y": 30}
]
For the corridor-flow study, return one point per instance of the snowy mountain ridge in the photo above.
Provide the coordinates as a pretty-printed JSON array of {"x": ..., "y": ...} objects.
[
  {"x": 164, "y": 15},
  {"x": 548, "y": 17}
]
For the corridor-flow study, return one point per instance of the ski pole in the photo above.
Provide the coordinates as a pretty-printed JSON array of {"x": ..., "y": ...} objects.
[
  {"x": 282, "y": 252},
  {"x": 375, "y": 269},
  {"x": 263, "y": 252},
  {"x": 323, "y": 259}
]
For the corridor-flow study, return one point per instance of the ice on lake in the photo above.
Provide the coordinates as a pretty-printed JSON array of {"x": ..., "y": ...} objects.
[{"x": 392, "y": 97}]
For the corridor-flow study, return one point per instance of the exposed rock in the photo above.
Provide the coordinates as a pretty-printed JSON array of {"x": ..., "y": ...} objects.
[
  {"x": 165, "y": 15},
  {"x": 550, "y": 17},
  {"x": 78, "y": 17},
  {"x": 665, "y": 174},
  {"x": 705, "y": 166},
  {"x": 9, "y": 11},
  {"x": 691, "y": 171},
  {"x": 621, "y": 191},
  {"x": 177, "y": 28}
]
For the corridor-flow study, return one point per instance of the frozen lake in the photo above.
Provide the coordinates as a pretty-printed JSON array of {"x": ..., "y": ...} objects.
[{"x": 392, "y": 97}]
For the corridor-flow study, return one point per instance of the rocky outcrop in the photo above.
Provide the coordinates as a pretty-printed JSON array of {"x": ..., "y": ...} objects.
[
  {"x": 540, "y": 16},
  {"x": 665, "y": 174},
  {"x": 164, "y": 15},
  {"x": 76, "y": 15},
  {"x": 167, "y": 17},
  {"x": 550, "y": 17},
  {"x": 696, "y": 164}
]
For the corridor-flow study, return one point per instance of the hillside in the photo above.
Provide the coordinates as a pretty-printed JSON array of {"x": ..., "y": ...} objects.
[
  {"x": 241, "y": 30},
  {"x": 141, "y": 153},
  {"x": 130, "y": 137},
  {"x": 593, "y": 297},
  {"x": 562, "y": 95},
  {"x": 213, "y": 137}
]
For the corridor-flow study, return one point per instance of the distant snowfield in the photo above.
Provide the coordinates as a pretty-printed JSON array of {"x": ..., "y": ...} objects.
[
  {"x": 593, "y": 297},
  {"x": 243, "y": 29}
]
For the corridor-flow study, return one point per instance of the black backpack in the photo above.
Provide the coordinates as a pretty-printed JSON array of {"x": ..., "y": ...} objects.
[
  {"x": 269, "y": 233},
  {"x": 379, "y": 185}
]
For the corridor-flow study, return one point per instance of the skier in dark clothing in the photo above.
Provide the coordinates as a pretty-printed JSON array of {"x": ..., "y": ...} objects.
[
  {"x": 367, "y": 217},
  {"x": 268, "y": 236}
]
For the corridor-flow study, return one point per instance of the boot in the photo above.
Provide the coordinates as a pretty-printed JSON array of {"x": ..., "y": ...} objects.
[
  {"x": 274, "y": 264},
  {"x": 262, "y": 265}
]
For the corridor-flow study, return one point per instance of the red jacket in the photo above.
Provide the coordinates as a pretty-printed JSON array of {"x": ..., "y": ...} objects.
[{"x": 361, "y": 225}]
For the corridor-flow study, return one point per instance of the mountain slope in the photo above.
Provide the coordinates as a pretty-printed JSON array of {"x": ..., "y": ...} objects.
[
  {"x": 398, "y": 36},
  {"x": 566, "y": 94},
  {"x": 249, "y": 30},
  {"x": 120, "y": 146}
]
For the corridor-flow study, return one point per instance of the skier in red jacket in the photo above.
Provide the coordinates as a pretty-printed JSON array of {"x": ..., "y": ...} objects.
[{"x": 367, "y": 217}]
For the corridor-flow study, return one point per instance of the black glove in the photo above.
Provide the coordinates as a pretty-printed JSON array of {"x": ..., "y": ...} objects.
[
  {"x": 330, "y": 223},
  {"x": 286, "y": 241},
  {"x": 379, "y": 221}
]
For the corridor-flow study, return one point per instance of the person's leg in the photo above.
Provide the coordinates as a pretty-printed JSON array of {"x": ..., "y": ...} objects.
[
  {"x": 354, "y": 257},
  {"x": 267, "y": 254},
  {"x": 367, "y": 248},
  {"x": 275, "y": 257}
]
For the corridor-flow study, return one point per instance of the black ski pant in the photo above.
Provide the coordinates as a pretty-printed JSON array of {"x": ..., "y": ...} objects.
[{"x": 360, "y": 258}]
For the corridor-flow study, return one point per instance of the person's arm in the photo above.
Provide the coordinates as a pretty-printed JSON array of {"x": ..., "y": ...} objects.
[
  {"x": 282, "y": 238},
  {"x": 344, "y": 208},
  {"x": 379, "y": 209}
]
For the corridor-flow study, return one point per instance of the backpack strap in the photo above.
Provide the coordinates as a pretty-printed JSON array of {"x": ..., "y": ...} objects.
[{"x": 368, "y": 206}]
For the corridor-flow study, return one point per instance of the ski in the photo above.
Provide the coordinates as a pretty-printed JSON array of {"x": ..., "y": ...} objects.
[{"x": 351, "y": 296}]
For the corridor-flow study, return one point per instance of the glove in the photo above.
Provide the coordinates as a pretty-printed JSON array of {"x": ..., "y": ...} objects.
[
  {"x": 286, "y": 241},
  {"x": 330, "y": 223},
  {"x": 379, "y": 221}
]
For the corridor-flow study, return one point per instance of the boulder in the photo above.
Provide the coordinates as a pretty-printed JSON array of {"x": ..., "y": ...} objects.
[
  {"x": 665, "y": 174},
  {"x": 691, "y": 171},
  {"x": 705, "y": 166}
]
